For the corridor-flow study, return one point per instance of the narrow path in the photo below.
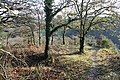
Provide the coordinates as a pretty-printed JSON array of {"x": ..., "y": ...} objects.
[{"x": 93, "y": 70}]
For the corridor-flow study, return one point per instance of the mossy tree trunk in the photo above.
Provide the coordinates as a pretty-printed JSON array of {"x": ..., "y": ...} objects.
[{"x": 48, "y": 15}]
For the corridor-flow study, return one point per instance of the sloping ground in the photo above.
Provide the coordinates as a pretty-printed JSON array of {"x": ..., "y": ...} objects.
[
  {"x": 108, "y": 65},
  {"x": 64, "y": 65}
]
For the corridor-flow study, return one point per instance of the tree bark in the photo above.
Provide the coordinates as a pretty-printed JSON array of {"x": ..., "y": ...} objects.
[
  {"x": 81, "y": 49},
  {"x": 48, "y": 12},
  {"x": 52, "y": 40},
  {"x": 63, "y": 35},
  {"x": 81, "y": 28},
  {"x": 39, "y": 37},
  {"x": 39, "y": 30},
  {"x": 7, "y": 39},
  {"x": 46, "y": 47},
  {"x": 33, "y": 37},
  {"x": 47, "y": 38}
]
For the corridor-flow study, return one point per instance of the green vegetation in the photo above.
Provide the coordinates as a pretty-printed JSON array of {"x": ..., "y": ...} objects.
[
  {"x": 106, "y": 43},
  {"x": 3, "y": 35}
]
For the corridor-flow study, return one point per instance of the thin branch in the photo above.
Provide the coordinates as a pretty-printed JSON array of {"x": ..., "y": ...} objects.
[
  {"x": 92, "y": 22},
  {"x": 60, "y": 9},
  {"x": 56, "y": 28}
]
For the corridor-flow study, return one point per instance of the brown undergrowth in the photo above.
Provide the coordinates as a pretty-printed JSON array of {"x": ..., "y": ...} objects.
[{"x": 62, "y": 65}]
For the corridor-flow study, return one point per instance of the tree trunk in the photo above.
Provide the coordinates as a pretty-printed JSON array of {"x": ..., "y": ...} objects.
[
  {"x": 82, "y": 45},
  {"x": 46, "y": 49},
  {"x": 81, "y": 28},
  {"x": 39, "y": 37},
  {"x": 48, "y": 19},
  {"x": 39, "y": 29},
  {"x": 7, "y": 41},
  {"x": 64, "y": 35},
  {"x": 28, "y": 40},
  {"x": 33, "y": 36},
  {"x": 52, "y": 40},
  {"x": 47, "y": 45},
  {"x": 31, "y": 40}
]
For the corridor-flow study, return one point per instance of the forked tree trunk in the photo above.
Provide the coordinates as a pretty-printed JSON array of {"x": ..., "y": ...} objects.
[{"x": 82, "y": 27}]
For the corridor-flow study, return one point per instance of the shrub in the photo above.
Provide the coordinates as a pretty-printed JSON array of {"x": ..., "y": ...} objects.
[{"x": 106, "y": 43}]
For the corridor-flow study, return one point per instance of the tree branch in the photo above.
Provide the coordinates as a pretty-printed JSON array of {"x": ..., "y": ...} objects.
[{"x": 56, "y": 28}]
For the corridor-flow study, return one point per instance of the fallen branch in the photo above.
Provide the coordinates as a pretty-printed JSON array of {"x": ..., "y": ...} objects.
[{"x": 13, "y": 57}]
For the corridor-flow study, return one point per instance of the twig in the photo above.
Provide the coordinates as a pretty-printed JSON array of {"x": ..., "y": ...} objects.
[{"x": 4, "y": 72}]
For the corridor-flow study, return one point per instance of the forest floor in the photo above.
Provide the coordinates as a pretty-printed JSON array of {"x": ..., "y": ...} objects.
[{"x": 64, "y": 64}]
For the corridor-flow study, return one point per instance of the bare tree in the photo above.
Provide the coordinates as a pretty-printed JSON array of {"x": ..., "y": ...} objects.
[
  {"x": 90, "y": 12},
  {"x": 40, "y": 18},
  {"x": 51, "y": 11},
  {"x": 9, "y": 10}
]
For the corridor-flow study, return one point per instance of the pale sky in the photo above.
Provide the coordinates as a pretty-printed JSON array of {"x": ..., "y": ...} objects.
[{"x": 57, "y": 2}]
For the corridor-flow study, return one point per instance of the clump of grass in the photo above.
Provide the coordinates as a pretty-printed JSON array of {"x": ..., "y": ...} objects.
[{"x": 104, "y": 51}]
